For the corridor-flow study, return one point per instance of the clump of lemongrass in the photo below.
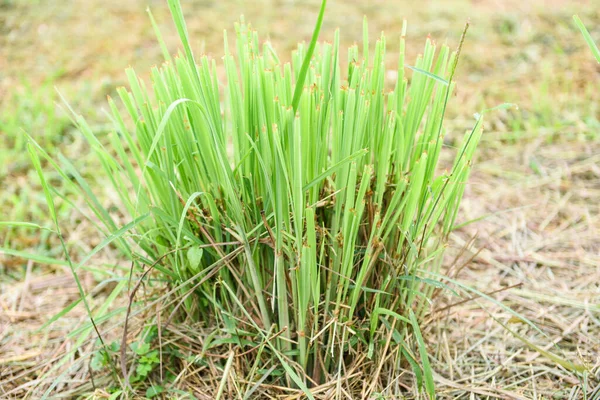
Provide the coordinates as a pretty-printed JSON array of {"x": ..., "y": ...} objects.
[{"x": 299, "y": 223}]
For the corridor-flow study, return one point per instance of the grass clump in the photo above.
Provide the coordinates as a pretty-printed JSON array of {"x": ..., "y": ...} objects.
[{"x": 295, "y": 208}]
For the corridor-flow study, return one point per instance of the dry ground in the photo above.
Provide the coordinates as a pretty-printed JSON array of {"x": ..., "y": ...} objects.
[{"x": 533, "y": 200}]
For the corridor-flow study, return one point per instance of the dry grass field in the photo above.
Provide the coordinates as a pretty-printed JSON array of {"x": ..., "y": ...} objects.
[{"x": 531, "y": 212}]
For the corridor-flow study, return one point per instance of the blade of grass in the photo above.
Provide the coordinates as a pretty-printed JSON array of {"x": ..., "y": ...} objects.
[
  {"x": 307, "y": 58},
  {"x": 427, "y": 371},
  {"x": 587, "y": 37}
]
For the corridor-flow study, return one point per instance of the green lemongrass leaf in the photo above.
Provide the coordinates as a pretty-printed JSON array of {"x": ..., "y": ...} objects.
[
  {"x": 471, "y": 221},
  {"x": 467, "y": 288},
  {"x": 38, "y": 258},
  {"x": 17, "y": 224},
  {"x": 577, "y": 368},
  {"x": 431, "y": 282},
  {"x": 306, "y": 63},
  {"x": 159, "y": 37},
  {"x": 335, "y": 168},
  {"x": 385, "y": 311},
  {"x": 427, "y": 371},
  {"x": 414, "y": 364},
  {"x": 520, "y": 317},
  {"x": 290, "y": 371},
  {"x": 503, "y": 106},
  {"x": 59, "y": 315},
  {"x": 369, "y": 290},
  {"x": 179, "y": 20},
  {"x": 587, "y": 37},
  {"x": 111, "y": 238},
  {"x": 83, "y": 331},
  {"x": 259, "y": 382},
  {"x": 163, "y": 124},
  {"x": 429, "y": 75},
  {"x": 396, "y": 336},
  {"x": 51, "y": 208},
  {"x": 225, "y": 375},
  {"x": 236, "y": 339},
  {"x": 485, "y": 216}
]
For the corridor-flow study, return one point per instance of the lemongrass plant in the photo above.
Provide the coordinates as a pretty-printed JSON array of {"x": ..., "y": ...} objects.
[{"x": 296, "y": 207}]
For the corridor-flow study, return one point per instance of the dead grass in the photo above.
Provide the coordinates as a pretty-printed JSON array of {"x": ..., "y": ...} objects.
[
  {"x": 538, "y": 183},
  {"x": 544, "y": 236}
]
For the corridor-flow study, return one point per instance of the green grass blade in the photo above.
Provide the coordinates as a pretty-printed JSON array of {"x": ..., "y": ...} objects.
[
  {"x": 427, "y": 371},
  {"x": 38, "y": 258},
  {"x": 307, "y": 58},
  {"x": 111, "y": 238},
  {"x": 52, "y": 210},
  {"x": 17, "y": 224},
  {"x": 587, "y": 37},
  {"x": 429, "y": 75},
  {"x": 60, "y": 314},
  {"x": 159, "y": 37}
]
